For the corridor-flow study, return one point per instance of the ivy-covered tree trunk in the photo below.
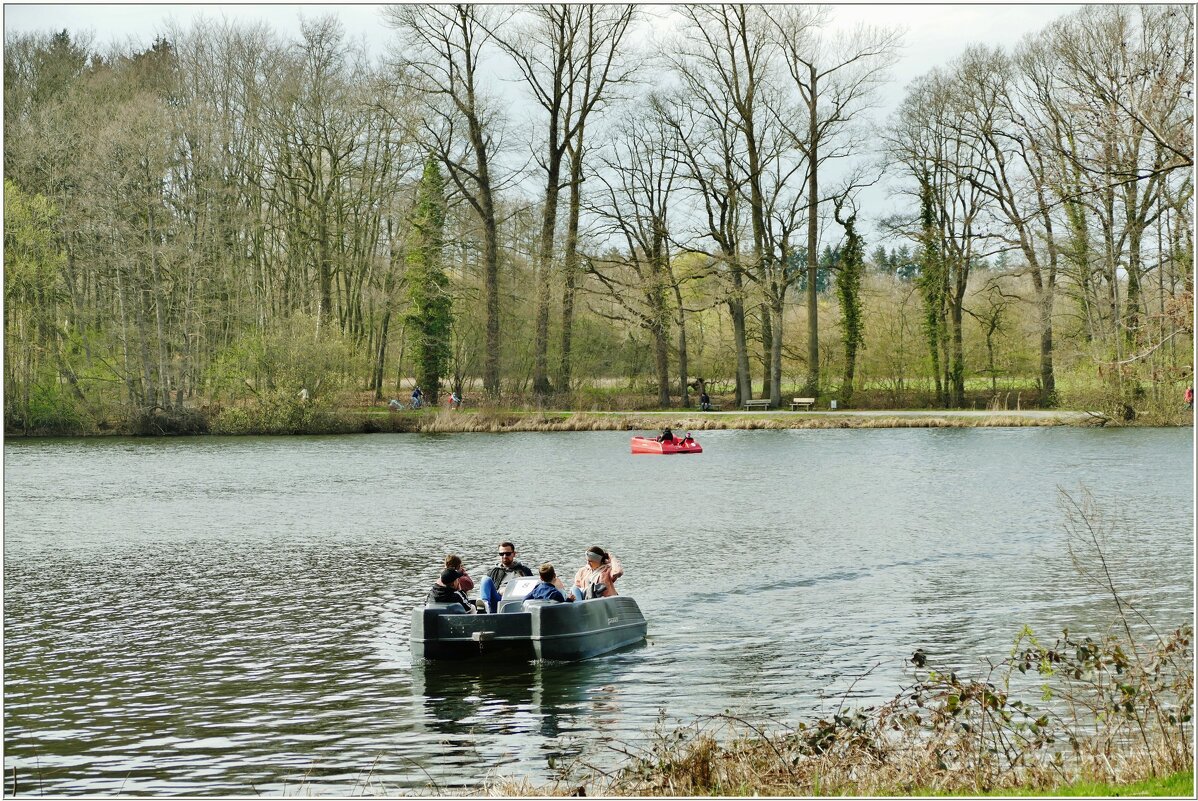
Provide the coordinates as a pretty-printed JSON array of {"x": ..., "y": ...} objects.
[
  {"x": 848, "y": 290},
  {"x": 428, "y": 287}
]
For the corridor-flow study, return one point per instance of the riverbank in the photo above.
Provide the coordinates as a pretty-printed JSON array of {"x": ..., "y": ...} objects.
[{"x": 292, "y": 419}]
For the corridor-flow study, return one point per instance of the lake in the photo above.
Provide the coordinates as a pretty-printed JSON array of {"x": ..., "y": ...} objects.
[{"x": 230, "y": 615}]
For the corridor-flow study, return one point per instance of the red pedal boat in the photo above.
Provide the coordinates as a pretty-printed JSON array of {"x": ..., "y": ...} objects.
[{"x": 678, "y": 445}]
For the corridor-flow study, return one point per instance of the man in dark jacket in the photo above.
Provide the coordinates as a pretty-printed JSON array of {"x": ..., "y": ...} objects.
[
  {"x": 492, "y": 584},
  {"x": 444, "y": 591}
]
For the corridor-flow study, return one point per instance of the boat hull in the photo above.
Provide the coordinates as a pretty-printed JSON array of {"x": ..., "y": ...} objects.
[
  {"x": 651, "y": 445},
  {"x": 552, "y": 632}
]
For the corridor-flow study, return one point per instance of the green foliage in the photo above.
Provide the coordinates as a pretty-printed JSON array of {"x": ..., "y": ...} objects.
[
  {"x": 848, "y": 292},
  {"x": 47, "y": 408},
  {"x": 823, "y": 270},
  {"x": 932, "y": 277},
  {"x": 33, "y": 260},
  {"x": 275, "y": 366},
  {"x": 430, "y": 318}
]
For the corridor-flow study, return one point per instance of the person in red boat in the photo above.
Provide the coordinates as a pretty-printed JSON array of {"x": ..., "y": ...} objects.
[
  {"x": 597, "y": 578},
  {"x": 688, "y": 441},
  {"x": 666, "y": 435}
]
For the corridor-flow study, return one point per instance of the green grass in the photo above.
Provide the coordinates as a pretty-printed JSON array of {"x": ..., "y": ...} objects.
[{"x": 1179, "y": 785}]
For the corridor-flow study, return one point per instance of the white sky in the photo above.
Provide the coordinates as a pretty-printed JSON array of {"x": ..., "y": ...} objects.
[{"x": 935, "y": 33}]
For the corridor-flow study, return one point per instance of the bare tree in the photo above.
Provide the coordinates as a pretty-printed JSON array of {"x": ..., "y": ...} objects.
[
  {"x": 570, "y": 57},
  {"x": 637, "y": 181},
  {"x": 837, "y": 78}
]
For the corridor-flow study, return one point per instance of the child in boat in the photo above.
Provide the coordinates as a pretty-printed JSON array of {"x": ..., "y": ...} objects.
[
  {"x": 443, "y": 590},
  {"x": 597, "y": 578},
  {"x": 547, "y": 589}
]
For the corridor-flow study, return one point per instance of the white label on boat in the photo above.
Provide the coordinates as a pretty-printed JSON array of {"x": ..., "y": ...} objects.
[{"x": 518, "y": 588}]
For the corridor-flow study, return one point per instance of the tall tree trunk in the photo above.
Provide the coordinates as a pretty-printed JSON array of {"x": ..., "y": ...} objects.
[
  {"x": 767, "y": 349},
  {"x": 812, "y": 387},
  {"x": 540, "y": 371},
  {"x": 570, "y": 264},
  {"x": 776, "y": 309},
  {"x": 736, "y": 309}
]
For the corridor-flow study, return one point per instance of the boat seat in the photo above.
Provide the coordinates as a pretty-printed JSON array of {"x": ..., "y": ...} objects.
[
  {"x": 511, "y": 605},
  {"x": 444, "y": 608}
]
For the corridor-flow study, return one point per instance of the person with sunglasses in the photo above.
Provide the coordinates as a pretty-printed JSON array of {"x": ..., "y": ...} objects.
[{"x": 491, "y": 587}]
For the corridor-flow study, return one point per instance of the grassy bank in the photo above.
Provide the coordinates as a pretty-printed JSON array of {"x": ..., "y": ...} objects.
[
  {"x": 1177, "y": 785},
  {"x": 296, "y": 419}
]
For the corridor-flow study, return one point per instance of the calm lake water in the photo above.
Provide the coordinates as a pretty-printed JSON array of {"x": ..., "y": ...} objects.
[{"x": 224, "y": 616}]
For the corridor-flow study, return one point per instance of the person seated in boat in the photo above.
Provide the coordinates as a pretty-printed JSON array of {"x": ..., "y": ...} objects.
[
  {"x": 547, "y": 590},
  {"x": 688, "y": 440},
  {"x": 444, "y": 591},
  {"x": 597, "y": 579},
  {"x": 491, "y": 587},
  {"x": 666, "y": 435},
  {"x": 464, "y": 583}
]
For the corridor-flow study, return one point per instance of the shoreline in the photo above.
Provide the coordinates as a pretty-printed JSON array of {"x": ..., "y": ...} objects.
[{"x": 315, "y": 420}]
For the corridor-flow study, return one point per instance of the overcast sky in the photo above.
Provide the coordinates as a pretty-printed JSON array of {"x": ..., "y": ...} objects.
[{"x": 935, "y": 33}]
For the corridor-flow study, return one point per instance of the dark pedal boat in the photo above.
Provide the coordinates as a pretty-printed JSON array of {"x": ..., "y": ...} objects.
[{"x": 527, "y": 630}]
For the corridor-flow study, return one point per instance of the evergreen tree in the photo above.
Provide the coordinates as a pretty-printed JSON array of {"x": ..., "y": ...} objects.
[
  {"x": 850, "y": 267},
  {"x": 428, "y": 287},
  {"x": 932, "y": 281},
  {"x": 823, "y": 275}
]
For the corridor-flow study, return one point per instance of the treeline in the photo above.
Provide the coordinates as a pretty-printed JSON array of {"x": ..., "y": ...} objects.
[{"x": 569, "y": 203}]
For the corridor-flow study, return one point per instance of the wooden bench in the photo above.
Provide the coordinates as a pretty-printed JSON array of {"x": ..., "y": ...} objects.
[
  {"x": 762, "y": 403},
  {"x": 801, "y": 403}
]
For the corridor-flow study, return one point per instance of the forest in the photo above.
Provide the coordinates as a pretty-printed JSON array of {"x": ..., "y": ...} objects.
[{"x": 596, "y": 207}]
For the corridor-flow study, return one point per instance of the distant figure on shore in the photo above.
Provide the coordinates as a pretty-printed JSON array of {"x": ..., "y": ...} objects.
[
  {"x": 597, "y": 578},
  {"x": 492, "y": 584},
  {"x": 455, "y": 400},
  {"x": 395, "y": 405},
  {"x": 303, "y": 395},
  {"x": 704, "y": 402},
  {"x": 1189, "y": 397},
  {"x": 417, "y": 397}
]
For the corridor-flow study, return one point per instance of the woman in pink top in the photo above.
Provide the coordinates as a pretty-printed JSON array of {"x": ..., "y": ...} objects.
[{"x": 597, "y": 579}]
